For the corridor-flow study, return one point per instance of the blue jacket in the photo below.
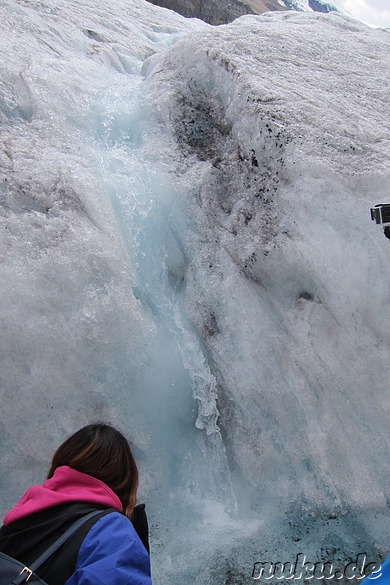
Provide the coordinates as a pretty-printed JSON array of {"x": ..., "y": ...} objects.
[
  {"x": 105, "y": 550},
  {"x": 113, "y": 554}
]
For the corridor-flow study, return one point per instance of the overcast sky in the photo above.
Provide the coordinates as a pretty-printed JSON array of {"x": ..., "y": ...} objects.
[{"x": 376, "y": 12}]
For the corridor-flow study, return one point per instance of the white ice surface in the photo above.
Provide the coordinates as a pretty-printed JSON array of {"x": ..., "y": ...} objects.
[{"x": 186, "y": 251}]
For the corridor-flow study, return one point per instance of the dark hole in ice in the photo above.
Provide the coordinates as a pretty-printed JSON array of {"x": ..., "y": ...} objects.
[
  {"x": 306, "y": 295},
  {"x": 94, "y": 35}
]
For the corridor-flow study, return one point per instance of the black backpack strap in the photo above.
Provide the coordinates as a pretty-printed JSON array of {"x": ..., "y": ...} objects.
[{"x": 49, "y": 551}]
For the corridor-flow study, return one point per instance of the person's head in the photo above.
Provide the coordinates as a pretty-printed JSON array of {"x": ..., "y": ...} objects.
[{"x": 103, "y": 452}]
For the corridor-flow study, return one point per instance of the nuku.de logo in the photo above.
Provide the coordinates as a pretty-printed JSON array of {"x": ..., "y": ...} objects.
[{"x": 302, "y": 568}]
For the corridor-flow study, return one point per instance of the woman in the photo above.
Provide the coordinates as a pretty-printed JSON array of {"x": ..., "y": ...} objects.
[{"x": 92, "y": 470}]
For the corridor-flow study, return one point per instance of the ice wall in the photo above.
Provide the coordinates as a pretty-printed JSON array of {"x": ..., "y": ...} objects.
[
  {"x": 187, "y": 251},
  {"x": 77, "y": 345},
  {"x": 281, "y": 143}
]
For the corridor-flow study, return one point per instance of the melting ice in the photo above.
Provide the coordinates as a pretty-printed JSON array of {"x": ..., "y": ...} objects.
[{"x": 187, "y": 251}]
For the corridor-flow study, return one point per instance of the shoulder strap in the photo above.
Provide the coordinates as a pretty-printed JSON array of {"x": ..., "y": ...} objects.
[{"x": 63, "y": 538}]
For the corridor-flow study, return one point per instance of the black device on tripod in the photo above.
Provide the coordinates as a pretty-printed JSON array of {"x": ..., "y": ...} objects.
[{"x": 381, "y": 215}]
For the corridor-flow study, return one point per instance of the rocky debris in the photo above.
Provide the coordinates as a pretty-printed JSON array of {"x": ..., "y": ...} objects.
[{"x": 216, "y": 11}]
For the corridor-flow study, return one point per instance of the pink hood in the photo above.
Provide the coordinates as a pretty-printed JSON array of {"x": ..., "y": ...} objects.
[{"x": 66, "y": 485}]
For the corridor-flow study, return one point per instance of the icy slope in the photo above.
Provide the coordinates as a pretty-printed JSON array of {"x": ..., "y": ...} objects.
[
  {"x": 75, "y": 340},
  {"x": 282, "y": 135},
  {"x": 187, "y": 251}
]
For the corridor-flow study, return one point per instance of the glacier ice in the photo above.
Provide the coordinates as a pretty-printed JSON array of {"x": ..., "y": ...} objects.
[{"x": 186, "y": 251}]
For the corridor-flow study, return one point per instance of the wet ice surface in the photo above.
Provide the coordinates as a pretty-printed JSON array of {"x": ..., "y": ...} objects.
[{"x": 187, "y": 251}]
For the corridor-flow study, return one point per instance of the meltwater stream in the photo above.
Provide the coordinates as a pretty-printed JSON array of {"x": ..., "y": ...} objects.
[
  {"x": 152, "y": 219},
  {"x": 179, "y": 390}
]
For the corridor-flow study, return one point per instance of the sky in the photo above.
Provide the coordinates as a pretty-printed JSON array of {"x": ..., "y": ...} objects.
[{"x": 374, "y": 12}]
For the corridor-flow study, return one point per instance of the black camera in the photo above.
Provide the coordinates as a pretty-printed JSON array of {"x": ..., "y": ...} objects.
[{"x": 381, "y": 214}]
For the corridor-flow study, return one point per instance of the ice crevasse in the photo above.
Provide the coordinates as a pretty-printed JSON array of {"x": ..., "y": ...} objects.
[{"x": 187, "y": 251}]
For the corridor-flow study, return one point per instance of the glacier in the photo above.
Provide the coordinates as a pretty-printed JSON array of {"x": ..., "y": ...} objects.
[{"x": 187, "y": 252}]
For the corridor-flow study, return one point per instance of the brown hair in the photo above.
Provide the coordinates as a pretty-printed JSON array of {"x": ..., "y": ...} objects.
[{"x": 103, "y": 452}]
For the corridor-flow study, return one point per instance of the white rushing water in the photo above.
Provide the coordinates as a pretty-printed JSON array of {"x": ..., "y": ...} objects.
[{"x": 187, "y": 252}]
